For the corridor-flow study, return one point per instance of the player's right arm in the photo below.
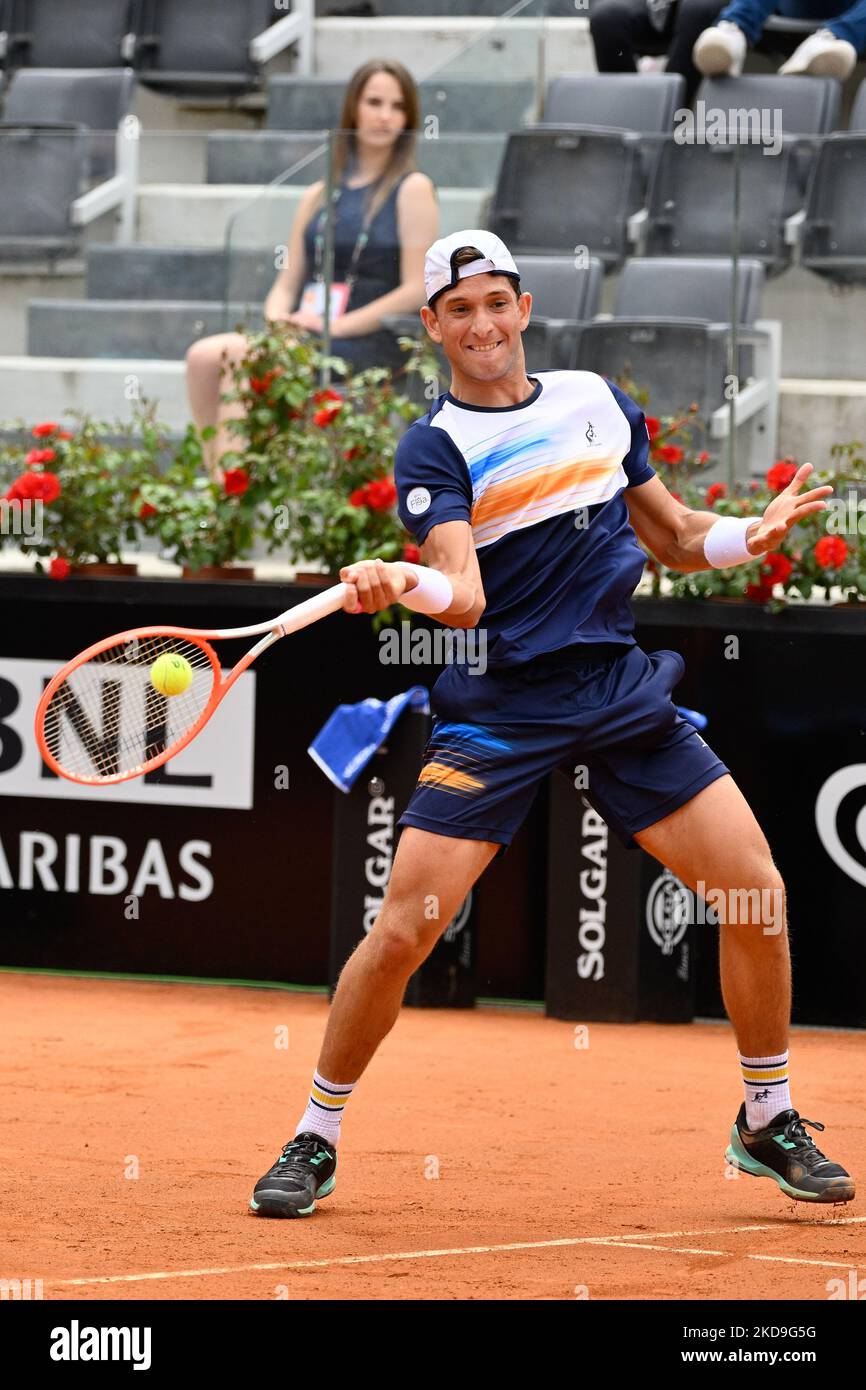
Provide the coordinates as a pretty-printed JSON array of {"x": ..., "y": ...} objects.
[
  {"x": 434, "y": 502},
  {"x": 450, "y": 549}
]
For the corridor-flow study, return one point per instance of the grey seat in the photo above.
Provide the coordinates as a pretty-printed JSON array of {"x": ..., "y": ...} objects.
[
  {"x": 620, "y": 101},
  {"x": 201, "y": 47},
  {"x": 97, "y": 98},
  {"x": 833, "y": 236},
  {"x": 178, "y": 273},
  {"x": 43, "y": 169},
  {"x": 669, "y": 334},
  {"x": 77, "y": 34},
  {"x": 692, "y": 193},
  {"x": 578, "y": 182},
  {"x": 564, "y": 296}
]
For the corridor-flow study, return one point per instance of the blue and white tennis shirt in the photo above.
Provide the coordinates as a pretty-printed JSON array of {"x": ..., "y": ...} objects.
[{"x": 542, "y": 485}]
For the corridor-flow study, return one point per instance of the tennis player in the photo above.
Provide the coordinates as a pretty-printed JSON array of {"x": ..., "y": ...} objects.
[{"x": 527, "y": 496}]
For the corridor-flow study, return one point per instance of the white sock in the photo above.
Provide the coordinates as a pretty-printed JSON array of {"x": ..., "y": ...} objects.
[
  {"x": 767, "y": 1091},
  {"x": 325, "y": 1108}
]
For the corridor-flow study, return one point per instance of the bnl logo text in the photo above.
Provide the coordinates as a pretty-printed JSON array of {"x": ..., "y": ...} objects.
[
  {"x": 20, "y": 1290},
  {"x": 22, "y": 517}
]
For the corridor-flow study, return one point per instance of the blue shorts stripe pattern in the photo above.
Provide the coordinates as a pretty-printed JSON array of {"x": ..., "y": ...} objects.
[{"x": 601, "y": 713}]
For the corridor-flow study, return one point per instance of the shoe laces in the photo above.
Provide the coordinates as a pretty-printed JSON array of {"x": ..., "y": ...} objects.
[
  {"x": 807, "y": 1150},
  {"x": 302, "y": 1149}
]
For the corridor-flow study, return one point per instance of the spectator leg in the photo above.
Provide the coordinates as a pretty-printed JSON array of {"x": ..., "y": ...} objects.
[
  {"x": 208, "y": 374},
  {"x": 693, "y": 17},
  {"x": 621, "y": 31}
]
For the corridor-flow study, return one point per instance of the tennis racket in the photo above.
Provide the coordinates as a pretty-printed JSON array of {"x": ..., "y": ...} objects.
[{"x": 100, "y": 720}]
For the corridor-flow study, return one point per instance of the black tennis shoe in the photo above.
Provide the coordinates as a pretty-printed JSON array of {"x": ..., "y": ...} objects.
[
  {"x": 302, "y": 1174},
  {"x": 784, "y": 1152}
]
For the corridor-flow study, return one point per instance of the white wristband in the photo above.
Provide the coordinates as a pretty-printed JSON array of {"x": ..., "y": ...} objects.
[
  {"x": 433, "y": 592},
  {"x": 725, "y": 542}
]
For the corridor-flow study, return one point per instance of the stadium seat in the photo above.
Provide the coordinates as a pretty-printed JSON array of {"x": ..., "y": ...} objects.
[
  {"x": 693, "y": 191},
  {"x": 564, "y": 296},
  {"x": 833, "y": 236},
  {"x": 669, "y": 334},
  {"x": 580, "y": 181},
  {"x": 78, "y": 34},
  {"x": 211, "y": 47},
  {"x": 46, "y": 166},
  {"x": 97, "y": 98},
  {"x": 494, "y": 104}
]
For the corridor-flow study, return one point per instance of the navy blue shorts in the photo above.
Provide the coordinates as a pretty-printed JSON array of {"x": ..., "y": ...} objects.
[{"x": 601, "y": 714}]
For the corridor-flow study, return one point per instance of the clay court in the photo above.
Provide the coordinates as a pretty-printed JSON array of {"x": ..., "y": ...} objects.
[{"x": 563, "y": 1172}]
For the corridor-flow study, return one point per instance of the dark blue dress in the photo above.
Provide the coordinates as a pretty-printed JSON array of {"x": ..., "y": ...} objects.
[{"x": 378, "y": 270}]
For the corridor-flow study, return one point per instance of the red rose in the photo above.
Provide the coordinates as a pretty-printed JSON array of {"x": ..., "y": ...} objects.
[
  {"x": 41, "y": 456},
  {"x": 145, "y": 510},
  {"x": 704, "y": 457},
  {"x": 669, "y": 453},
  {"x": 328, "y": 395},
  {"x": 411, "y": 553},
  {"x": 39, "y": 431},
  {"x": 779, "y": 476},
  {"x": 653, "y": 426},
  {"x": 776, "y": 567},
  {"x": 324, "y": 417},
  {"x": 261, "y": 384},
  {"x": 64, "y": 434},
  {"x": 59, "y": 568},
  {"x": 714, "y": 492},
  {"x": 381, "y": 494},
  {"x": 351, "y": 454},
  {"x": 236, "y": 481},
  {"x": 358, "y": 498},
  {"x": 41, "y": 487},
  {"x": 759, "y": 593},
  {"x": 831, "y": 552}
]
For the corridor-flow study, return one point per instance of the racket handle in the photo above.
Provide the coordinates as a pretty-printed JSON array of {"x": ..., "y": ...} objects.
[
  {"x": 693, "y": 716},
  {"x": 319, "y": 606}
]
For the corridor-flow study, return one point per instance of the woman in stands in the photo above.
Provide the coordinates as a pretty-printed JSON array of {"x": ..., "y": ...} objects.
[{"x": 386, "y": 216}]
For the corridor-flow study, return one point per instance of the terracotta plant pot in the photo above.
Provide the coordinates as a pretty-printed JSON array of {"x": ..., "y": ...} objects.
[
  {"x": 315, "y": 577},
  {"x": 219, "y": 572},
  {"x": 95, "y": 570}
]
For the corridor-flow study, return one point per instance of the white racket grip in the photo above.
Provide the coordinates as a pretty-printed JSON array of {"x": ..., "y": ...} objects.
[
  {"x": 319, "y": 606},
  {"x": 432, "y": 594}
]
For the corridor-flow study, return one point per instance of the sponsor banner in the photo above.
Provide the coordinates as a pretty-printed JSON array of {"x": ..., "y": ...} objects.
[{"x": 215, "y": 770}]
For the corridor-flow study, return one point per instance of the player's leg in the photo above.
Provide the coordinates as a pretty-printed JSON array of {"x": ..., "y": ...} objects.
[
  {"x": 430, "y": 877},
  {"x": 714, "y": 841}
]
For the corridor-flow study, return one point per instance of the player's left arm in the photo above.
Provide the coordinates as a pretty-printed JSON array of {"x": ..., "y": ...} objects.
[{"x": 676, "y": 535}]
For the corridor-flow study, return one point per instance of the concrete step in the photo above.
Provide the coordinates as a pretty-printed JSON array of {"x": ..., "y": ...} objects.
[
  {"x": 178, "y": 273},
  {"x": 439, "y": 9},
  {"x": 458, "y": 47},
  {"x": 48, "y": 388},
  {"x": 186, "y": 214},
  {"x": 814, "y": 414},
  {"x": 158, "y": 330},
  {"x": 476, "y": 104},
  {"x": 466, "y": 161}
]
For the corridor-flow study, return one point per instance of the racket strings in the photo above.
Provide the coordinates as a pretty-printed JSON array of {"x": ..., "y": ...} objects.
[{"x": 106, "y": 719}]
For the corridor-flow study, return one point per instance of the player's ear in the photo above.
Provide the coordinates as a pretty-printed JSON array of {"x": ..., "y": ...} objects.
[
  {"x": 524, "y": 308},
  {"x": 431, "y": 323}
]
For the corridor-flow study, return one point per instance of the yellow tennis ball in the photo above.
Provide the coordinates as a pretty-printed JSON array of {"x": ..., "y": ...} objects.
[{"x": 171, "y": 674}]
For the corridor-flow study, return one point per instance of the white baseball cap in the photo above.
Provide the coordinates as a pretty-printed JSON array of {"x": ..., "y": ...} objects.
[{"x": 439, "y": 270}]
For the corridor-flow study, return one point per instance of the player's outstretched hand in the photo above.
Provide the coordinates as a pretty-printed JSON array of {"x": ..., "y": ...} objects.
[
  {"x": 785, "y": 511},
  {"x": 372, "y": 585}
]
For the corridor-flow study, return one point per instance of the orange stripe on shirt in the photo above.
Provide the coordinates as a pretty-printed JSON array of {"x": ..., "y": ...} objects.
[{"x": 501, "y": 501}]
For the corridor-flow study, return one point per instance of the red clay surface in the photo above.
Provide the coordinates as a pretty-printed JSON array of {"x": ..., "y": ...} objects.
[{"x": 616, "y": 1151}]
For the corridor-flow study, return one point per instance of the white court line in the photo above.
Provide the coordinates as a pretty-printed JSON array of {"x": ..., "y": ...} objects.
[
  {"x": 733, "y": 1254},
  {"x": 438, "y": 1254}
]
